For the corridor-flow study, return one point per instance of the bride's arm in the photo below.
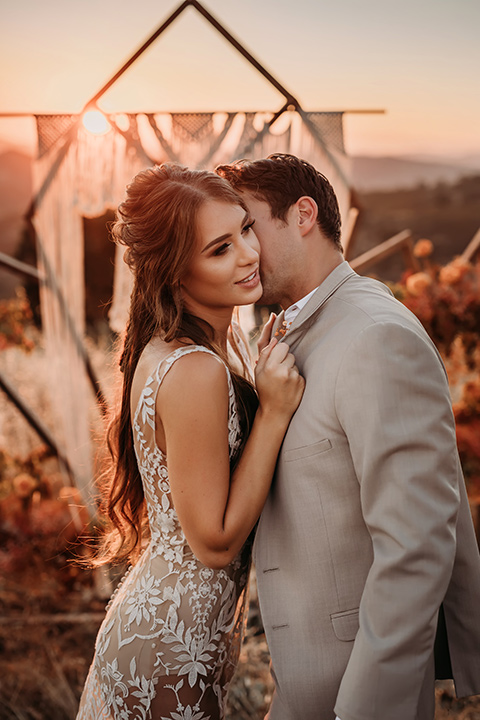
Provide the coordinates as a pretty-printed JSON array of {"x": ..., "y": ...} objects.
[{"x": 217, "y": 512}]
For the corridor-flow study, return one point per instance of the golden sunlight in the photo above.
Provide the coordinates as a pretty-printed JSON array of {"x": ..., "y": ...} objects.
[{"x": 95, "y": 122}]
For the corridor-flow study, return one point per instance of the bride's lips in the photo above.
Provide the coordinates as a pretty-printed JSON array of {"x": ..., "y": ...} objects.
[{"x": 251, "y": 280}]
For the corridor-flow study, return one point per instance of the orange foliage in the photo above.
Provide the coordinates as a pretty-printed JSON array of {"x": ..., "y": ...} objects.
[
  {"x": 37, "y": 513},
  {"x": 15, "y": 322},
  {"x": 423, "y": 248},
  {"x": 446, "y": 300}
]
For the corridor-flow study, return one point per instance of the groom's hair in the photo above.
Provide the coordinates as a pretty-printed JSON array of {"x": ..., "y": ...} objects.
[{"x": 280, "y": 180}]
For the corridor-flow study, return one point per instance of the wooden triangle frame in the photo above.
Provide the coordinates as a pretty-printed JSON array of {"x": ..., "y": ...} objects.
[{"x": 291, "y": 103}]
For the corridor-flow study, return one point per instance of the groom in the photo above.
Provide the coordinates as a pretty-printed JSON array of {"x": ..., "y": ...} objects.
[{"x": 368, "y": 569}]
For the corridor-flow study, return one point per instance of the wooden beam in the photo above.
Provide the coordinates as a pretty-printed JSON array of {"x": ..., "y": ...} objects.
[
  {"x": 365, "y": 111},
  {"x": 359, "y": 111},
  {"x": 291, "y": 100},
  {"x": 472, "y": 248},
  {"x": 347, "y": 235},
  {"x": 136, "y": 55},
  {"x": 400, "y": 242},
  {"x": 35, "y": 422},
  {"x": 87, "y": 618},
  {"x": 20, "y": 267}
]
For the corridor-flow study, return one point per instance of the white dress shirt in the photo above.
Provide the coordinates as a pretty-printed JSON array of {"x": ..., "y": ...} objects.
[{"x": 292, "y": 311}]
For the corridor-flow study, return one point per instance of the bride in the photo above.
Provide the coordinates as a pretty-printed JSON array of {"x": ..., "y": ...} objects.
[{"x": 194, "y": 449}]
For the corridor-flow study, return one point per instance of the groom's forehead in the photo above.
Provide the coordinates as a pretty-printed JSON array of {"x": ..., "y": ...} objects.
[{"x": 258, "y": 206}]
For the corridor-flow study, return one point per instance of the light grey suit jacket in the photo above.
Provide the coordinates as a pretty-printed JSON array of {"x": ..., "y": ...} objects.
[{"x": 367, "y": 529}]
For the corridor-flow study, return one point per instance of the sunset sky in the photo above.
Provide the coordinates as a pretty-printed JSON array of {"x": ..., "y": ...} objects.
[{"x": 419, "y": 60}]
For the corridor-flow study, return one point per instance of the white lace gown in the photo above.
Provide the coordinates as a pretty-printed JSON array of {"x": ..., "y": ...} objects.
[{"x": 170, "y": 641}]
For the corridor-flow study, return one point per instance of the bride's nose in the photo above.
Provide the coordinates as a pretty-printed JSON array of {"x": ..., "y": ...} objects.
[{"x": 248, "y": 254}]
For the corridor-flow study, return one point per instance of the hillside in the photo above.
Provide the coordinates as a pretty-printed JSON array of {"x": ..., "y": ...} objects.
[
  {"x": 449, "y": 215},
  {"x": 394, "y": 173}
]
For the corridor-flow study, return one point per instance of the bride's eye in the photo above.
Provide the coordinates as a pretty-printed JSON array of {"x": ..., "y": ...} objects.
[
  {"x": 220, "y": 250},
  {"x": 248, "y": 227}
]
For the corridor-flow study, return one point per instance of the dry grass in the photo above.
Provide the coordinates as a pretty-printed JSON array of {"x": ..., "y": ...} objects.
[{"x": 47, "y": 635}]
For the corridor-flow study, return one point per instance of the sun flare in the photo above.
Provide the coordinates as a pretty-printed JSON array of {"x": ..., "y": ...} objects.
[{"x": 95, "y": 122}]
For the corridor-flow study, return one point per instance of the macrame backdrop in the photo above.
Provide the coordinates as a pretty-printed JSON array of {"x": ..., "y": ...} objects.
[
  {"x": 90, "y": 179},
  {"x": 79, "y": 174}
]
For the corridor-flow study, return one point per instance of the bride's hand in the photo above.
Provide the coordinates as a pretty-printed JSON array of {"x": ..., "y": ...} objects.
[
  {"x": 264, "y": 338},
  {"x": 279, "y": 384}
]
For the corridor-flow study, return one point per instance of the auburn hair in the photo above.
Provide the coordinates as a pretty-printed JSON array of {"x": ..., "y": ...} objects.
[{"x": 157, "y": 224}]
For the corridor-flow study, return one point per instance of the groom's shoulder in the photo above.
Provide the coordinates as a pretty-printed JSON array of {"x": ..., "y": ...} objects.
[
  {"x": 369, "y": 300},
  {"x": 357, "y": 304}
]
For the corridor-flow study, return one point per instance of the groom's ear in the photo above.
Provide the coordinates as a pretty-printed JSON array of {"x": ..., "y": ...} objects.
[{"x": 307, "y": 213}]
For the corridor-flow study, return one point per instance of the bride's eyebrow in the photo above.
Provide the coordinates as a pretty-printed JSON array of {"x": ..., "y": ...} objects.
[
  {"x": 221, "y": 238},
  {"x": 217, "y": 241}
]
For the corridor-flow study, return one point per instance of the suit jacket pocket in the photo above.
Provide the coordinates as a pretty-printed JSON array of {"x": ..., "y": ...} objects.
[
  {"x": 345, "y": 624},
  {"x": 306, "y": 450}
]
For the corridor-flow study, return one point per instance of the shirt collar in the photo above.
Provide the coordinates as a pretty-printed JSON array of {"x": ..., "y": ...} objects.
[{"x": 292, "y": 311}]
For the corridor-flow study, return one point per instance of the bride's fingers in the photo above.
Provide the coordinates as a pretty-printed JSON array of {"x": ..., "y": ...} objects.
[
  {"x": 289, "y": 361},
  {"x": 266, "y": 333},
  {"x": 266, "y": 353},
  {"x": 278, "y": 353}
]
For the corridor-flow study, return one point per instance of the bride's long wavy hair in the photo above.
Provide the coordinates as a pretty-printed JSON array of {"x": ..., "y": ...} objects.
[{"x": 157, "y": 224}]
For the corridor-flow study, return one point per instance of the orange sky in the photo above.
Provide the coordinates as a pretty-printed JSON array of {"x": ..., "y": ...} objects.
[{"x": 418, "y": 60}]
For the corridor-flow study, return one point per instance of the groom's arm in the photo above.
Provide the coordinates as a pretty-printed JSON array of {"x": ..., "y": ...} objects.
[{"x": 393, "y": 402}]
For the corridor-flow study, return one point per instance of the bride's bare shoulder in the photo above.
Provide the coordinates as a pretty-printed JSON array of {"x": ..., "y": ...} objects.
[
  {"x": 195, "y": 370},
  {"x": 188, "y": 362}
]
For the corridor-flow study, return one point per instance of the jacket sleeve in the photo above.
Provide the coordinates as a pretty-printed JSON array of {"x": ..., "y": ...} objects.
[{"x": 393, "y": 402}]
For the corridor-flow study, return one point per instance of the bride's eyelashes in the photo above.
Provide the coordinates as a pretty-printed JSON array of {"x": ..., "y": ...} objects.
[
  {"x": 245, "y": 229},
  {"x": 248, "y": 226},
  {"x": 220, "y": 250}
]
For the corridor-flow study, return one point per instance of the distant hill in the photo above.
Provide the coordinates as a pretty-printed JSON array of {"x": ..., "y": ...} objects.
[
  {"x": 368, "y": 174},
  {"x": 395, "y": 173},
  {"x": 448, "y": 215}
]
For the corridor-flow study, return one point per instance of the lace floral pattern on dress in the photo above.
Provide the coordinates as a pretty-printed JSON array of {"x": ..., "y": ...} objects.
[{"x": 169, "y": 644}]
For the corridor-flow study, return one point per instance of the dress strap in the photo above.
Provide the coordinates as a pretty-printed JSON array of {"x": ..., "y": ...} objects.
[
  {"x": 164, "y": 365},
  {"x": 147, "y": 399}
]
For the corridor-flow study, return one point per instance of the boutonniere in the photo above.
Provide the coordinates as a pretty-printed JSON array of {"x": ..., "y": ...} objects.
[{"x": 281, "y": 330}]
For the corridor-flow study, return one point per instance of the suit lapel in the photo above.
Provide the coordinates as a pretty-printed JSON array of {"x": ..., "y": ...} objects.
[
  {"x": 279, "y": 329},
  {"x": 308, "y": 314}
]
